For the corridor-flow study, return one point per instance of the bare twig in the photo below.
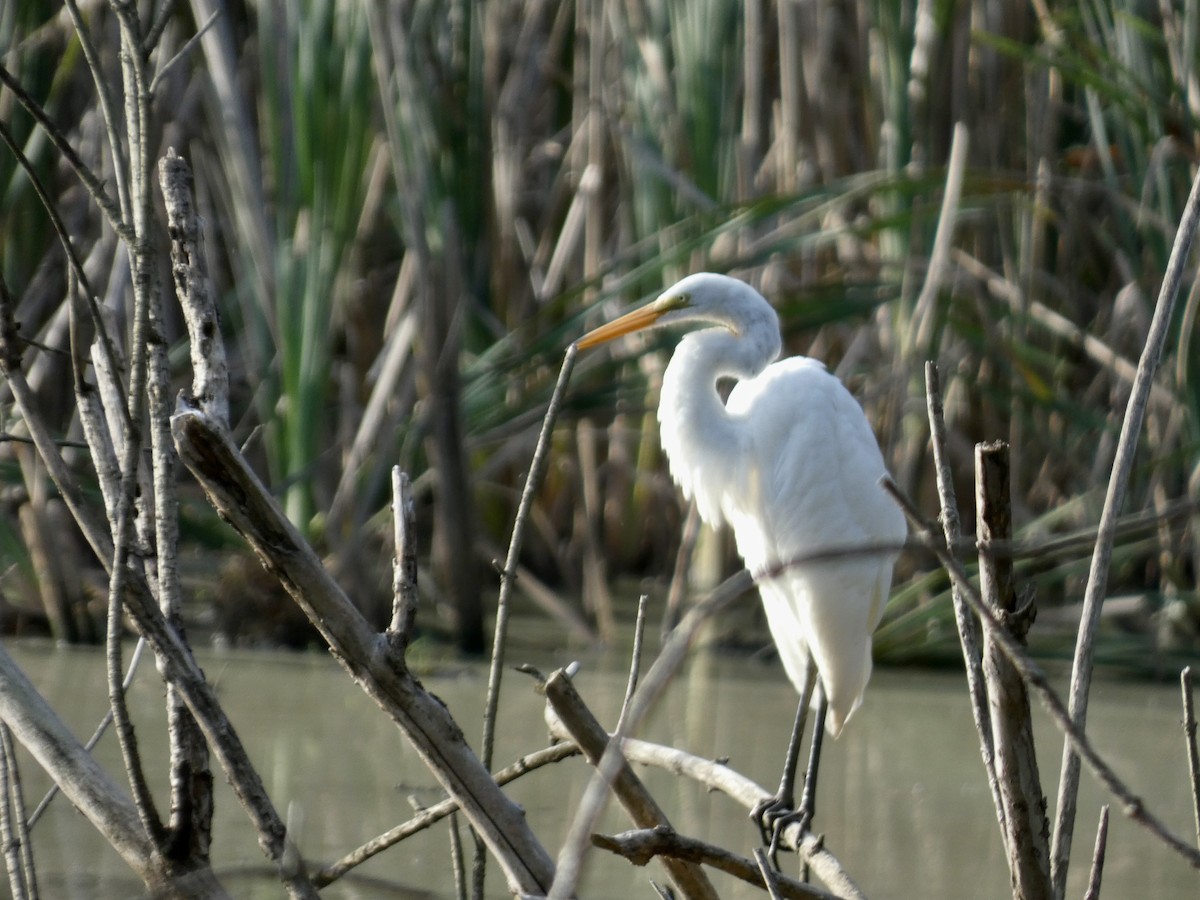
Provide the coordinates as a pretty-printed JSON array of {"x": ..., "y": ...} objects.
[
  {"x": 1026, "y": 832},
  {"x": 104, "y": 94},
  {"x": 508, "y": 576},
  {"x": 1131, "y": 804},
  {"x": 768, "y": 872},
  {"x": 77, "y": 277},
  {"x": 18, "y": 854},
  {"x": 638, "y": 802},
  {"x": 968, "y": 628},
  {"x": 184, "y": 51},
  {"x": 1189, "y": 738},
  {"x": 404, "y": 568},
  {"x": 1135, "y": 411},
  {"x": 635, "y": 659},
  {"x": 1097, "y": 871},
  {"x": 456, "y": 858},
  {"x": 94, "y": 185},
  {"x": 210, "y": 372},
  {"x": 431, "y": 815},
  {"x": 105, "y": 721},
  {"x": 669, "y": 659},
  {"x": 641, "y": 846}
]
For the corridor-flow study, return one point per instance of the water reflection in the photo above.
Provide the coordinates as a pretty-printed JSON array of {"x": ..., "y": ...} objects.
[{"x": 902, "y": 800}]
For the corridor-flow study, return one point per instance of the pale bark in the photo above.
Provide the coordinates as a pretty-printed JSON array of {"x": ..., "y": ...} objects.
[
  {"x": 90, "y": 789},
  {"x": 238, "y": 495},
  {"x": 645, "y": 812},
  {"x": 1026, "y": 831}
]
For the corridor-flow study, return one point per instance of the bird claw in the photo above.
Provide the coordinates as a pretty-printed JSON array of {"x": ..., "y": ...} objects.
[{"x": 774, "y": 816}]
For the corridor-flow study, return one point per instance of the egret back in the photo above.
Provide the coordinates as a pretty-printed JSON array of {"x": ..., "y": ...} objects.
[{"x": 791, "y": 463}]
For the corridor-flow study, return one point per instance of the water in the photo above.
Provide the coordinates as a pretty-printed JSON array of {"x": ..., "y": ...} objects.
[{"x": 903, "y": 803}]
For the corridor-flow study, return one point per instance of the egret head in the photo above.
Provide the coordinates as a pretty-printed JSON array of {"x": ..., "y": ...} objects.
[{"x": 701, "y": 298}]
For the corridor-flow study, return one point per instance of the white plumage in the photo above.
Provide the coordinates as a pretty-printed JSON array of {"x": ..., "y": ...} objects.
[{"x": 791, "y": 464}]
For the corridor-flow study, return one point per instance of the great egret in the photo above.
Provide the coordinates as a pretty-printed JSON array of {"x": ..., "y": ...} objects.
[{"x": 791, "y": 464}]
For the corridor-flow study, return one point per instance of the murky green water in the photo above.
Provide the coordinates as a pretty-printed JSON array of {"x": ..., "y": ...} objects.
[{"x": 903, "y": 803}]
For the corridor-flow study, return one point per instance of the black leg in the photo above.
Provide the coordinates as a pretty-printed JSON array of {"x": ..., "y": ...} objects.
[
  {"x": 773, "y": 811},
  {"x": 808, "y": 799},
  {"x": 777, "y": 813},
  {"x": 765, "y": 812}
]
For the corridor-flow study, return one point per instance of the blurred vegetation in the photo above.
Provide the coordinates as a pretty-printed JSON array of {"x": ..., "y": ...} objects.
[{"x": 412, "y": 208}]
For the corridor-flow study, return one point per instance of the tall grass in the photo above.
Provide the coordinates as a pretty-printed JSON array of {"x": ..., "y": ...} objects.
[{"x": 414, "y": 207}]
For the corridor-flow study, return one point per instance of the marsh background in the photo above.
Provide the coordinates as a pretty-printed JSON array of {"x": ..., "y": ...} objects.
[{"x": 411, "y": 209}]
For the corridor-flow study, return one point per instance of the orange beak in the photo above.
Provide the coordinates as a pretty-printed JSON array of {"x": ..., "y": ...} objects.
[{"x": 633, "y": 321}]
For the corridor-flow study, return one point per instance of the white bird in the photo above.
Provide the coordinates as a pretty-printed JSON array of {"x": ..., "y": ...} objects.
[{"x": 791, "y": 464}]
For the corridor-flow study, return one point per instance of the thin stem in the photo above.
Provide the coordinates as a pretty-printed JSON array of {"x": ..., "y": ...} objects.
[
  {"x": 635, "y": 659},
  {"x": 105, "y": 720},
  {"x": 1097, "y": 871},
  {"x": 94, "y": 185},
  {"x": 968, "y": 628},
  {"x": 456, "y": 859},
  {"x": 75, "y": 267},
  {"x": 508, "y": 577},
  {"x": 1189, "y": 736},
  {"x": 431, "y": 815},
  {"x": 107, "y": 110},
  {"x": 192, "y": 43},
  {"x": 770, "y": 875},
  {"x": 18, "y": 854},
  {"x": 404, "y": 572},
  {"x": 1135, "y": 411},
  {"x": 1132, "y": 805}
]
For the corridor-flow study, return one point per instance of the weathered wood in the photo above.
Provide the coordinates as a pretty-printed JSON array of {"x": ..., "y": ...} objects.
[
  {"x": 645, "y": 812},
  {"x": 238, "y": 495},
  {"x": 210, "y": 372},
  {"x": 641, "y": 846},
  {"x": 90, "y": 789},
  {"x": 1026, "y": 830}
]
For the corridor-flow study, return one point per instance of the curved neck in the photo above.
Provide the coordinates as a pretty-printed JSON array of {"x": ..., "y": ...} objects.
[{"x": 699, "y": 435}]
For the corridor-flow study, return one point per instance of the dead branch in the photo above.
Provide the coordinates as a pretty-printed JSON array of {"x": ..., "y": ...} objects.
[
  {"x": 968, "y": 627},
  {"x": 430, "y": 815},
  {"x": 1032, "y": 675},
  {"x": 14, "y": 829},
  {"x": 404, "y": 568},
  {"x": 89, "y": 788},
  {"x": 643, "y": 845},
  {"x": 238, "y": 495},
  {"x": 1094, "y": 877},
  {"x": 1026, "y": 831},
  {"x": 210, "y": 372},
  {"x": 1189, "y": 737},
  {"x": 1131, "y": 426},
  {"x": 638, "y": 802},
  {"x": 508, "y": 576},
  {"x": 719, "y": 776}
]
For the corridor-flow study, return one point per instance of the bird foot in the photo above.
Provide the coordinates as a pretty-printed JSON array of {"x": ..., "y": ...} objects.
[{"x": 774, "y": 816}]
